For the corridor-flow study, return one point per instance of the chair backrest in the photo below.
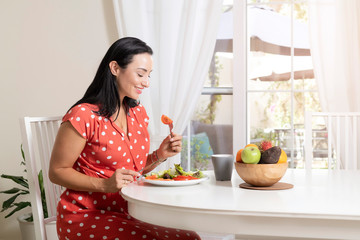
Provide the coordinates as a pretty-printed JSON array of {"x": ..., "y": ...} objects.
[
  {"x": 338, "y": 136},
  {"x": 38, "y": 136}
]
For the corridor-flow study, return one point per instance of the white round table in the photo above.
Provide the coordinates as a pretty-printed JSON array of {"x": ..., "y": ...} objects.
[{"x": 322, "y": 204}]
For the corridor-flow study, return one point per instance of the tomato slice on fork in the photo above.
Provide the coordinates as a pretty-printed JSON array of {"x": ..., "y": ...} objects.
[{"x": 166, "y": 120}]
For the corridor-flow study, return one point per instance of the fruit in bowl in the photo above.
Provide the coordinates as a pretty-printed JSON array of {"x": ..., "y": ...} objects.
[
  {"x": 261, "y": 166},
  {"x": 251, "y": 155}
]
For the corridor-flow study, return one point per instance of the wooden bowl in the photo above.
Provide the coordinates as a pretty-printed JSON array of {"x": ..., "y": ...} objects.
[{"x": 261, "y": 175}]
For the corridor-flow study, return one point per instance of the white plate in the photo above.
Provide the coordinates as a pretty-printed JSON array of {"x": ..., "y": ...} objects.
[{"x": 176, "y": 183}]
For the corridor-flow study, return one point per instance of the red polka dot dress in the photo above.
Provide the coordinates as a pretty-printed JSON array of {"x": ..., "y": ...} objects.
[{"x": 95, "y": 215}]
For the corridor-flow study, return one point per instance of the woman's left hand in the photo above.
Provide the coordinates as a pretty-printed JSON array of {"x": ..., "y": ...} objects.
[{"x": 170, "y": 146}]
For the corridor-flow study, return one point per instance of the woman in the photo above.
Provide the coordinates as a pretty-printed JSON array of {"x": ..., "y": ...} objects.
[{"x": 101, "y": 144}]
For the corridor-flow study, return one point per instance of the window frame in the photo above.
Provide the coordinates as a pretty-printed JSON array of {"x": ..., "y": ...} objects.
[
  {"x": 241, "y": 131},
  {"x": 240, "y": 91}
]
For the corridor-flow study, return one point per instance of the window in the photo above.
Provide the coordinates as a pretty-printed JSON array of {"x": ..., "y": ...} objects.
[
  {"x": 211, "y": 127},
  {"x": 260, "y": 83},
  {"x": 280, "y": 78}
]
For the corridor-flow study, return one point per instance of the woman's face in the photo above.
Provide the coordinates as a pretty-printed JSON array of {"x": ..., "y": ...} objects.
[{"x": 135, "y": 77}]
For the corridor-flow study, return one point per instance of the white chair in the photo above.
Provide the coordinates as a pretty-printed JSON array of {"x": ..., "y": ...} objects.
[
  {"x": 38, "y": 136},
  {"x": 340, "y": 133}
]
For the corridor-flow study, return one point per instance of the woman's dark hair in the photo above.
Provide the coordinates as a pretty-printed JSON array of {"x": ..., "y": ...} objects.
[{"x": 103, "y": 91}]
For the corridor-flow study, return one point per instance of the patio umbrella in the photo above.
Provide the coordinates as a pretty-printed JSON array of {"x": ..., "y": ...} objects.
[
  {"x": 303, "y": 74},
  {"x": 268, "y": 32}
]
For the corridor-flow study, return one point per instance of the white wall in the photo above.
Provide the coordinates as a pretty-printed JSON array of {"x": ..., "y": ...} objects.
[{"x": 49, "y": 52}]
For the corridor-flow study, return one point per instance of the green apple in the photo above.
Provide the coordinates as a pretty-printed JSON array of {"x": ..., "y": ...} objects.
[{"x": 251, "y": 155}]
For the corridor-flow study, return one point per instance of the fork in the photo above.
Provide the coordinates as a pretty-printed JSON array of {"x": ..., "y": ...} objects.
[
  {"x": 141, "y": 170},
  {"x": 171, "y": 128},
  {"x": 149, "y": 166}
]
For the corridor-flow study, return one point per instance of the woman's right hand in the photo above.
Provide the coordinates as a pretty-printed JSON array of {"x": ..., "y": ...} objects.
[{"x": 120, "y": 179}]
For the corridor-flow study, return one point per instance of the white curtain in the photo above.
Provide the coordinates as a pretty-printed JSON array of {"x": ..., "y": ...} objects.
[
  {"x": 335, "y": 48},
  {"x": 182, "y": 34}
]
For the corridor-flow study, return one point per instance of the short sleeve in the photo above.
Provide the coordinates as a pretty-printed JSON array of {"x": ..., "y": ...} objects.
[
  {"x": 142, "y": 113},
  {"x": 82, "y": 118}
]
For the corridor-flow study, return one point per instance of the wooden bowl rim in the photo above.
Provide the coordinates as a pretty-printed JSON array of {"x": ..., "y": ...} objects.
[{"x": 267, "y": 164}]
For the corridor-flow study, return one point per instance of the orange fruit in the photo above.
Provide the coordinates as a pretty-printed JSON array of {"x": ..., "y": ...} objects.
[
  {"x": 238, "y": 155},
  {"x": 283, "y": 157},
  {"x": 252, "y": 145}
]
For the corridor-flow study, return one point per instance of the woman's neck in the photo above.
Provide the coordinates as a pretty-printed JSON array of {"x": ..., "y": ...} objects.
[{"x": 120, "y": 118}]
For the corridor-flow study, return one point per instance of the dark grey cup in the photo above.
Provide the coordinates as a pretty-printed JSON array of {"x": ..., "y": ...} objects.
[{"x": 223, "y": 166}]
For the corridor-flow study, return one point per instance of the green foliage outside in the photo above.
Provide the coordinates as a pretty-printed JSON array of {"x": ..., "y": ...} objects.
[
  {"x": 199, "y": 160},
  {"x": 302, "y": 102},
  {"x": 207, "y": 115}
]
